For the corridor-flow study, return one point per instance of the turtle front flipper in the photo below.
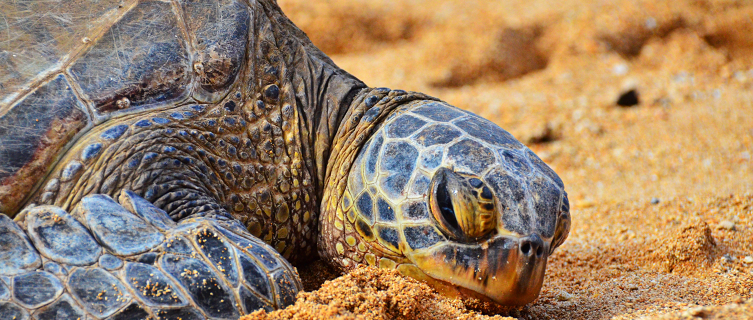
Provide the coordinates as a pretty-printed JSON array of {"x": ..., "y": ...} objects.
[{"x": 129, "y": 260}]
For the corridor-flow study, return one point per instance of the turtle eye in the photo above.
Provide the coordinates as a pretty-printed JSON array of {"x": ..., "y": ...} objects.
[
  {"x": 563, "y": 225},
  {"x": 442, "y": 206},
  {"x": 463, "y": 207}
]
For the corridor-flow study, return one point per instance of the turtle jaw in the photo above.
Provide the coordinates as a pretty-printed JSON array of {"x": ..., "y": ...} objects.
[{"x": 506, "y": 270}]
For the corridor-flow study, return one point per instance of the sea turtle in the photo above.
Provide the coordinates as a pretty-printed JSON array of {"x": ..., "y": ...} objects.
[{"x": 172, "y": 158}]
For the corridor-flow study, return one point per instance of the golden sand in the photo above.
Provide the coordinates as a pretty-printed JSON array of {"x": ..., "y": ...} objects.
[{"x": 661, "y": 191}]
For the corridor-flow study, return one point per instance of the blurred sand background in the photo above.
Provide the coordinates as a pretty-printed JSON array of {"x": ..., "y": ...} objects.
[{"x": 661, "y": 190}]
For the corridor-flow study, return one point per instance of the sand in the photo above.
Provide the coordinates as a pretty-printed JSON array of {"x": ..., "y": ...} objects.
[{"x": 644, "y": 108}]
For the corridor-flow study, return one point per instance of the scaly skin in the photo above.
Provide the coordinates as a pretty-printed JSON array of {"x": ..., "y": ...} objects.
[{"x": 259, "y": 154}]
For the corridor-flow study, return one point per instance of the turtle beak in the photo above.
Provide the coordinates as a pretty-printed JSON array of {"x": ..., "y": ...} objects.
[{"x": 505, "y": 270}]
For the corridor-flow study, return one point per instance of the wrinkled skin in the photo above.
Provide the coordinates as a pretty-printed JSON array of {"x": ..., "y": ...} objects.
[{"x": 223, "y": 111}]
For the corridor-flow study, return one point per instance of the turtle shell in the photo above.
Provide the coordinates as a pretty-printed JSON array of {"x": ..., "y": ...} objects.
[{"x": 67, "y": 66}]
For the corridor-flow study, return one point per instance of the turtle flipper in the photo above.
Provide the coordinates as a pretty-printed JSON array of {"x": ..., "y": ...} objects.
[{"x": 128, "y": 260}]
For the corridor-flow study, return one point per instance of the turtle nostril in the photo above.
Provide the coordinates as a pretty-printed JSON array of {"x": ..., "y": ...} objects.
[
  {"x": 525, "y": 248},
  {"x": 532, "y": 246}
]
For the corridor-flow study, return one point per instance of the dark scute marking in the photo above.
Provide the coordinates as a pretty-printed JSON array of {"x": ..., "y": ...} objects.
[
  {"x": 98, "y": 291},
  {"x": 143, "y": 123},
  {"x": 544, "y": 168},
  {"x": 515, "y": 161},
  {"x": 399, "y": 159},
  {"x": 487, "y": 131},
  {"x": 35, "y": 289},
  {"x": 205, "y": 287},
  {"x": 373, "y": 157},
  {"x": 50, "y": 110},
  {"x": 142, "y": 58},
  {"x": 63, "y": 309},
  {"x": 148, "y": 258},
  {"x": 251, "y": 302},
  {"x": 432, "y": 158},
  {"x": 110, "y": 262},
  {"x": 256, "y": 249},
  {"x": 255, "y": 276},
  {"x": 366, "y": 206},
  {"x": 486, "y": 193},
  {"x": 230, "y": 106},
  {"x": 403, "y": 126},
  {"x": 511, "y": 195},
  {"x": 9, "y": 310},
  {"x": 117, "y": 229},
  {"x": 385, "y": 210},
  {"x": 416, "y": 210},
  {"x": 16, "y": 252},
  {"x": 59, "y": 236},
  {"x": 472, "y": 155},
  {"x": 364, "y": 229},
  {"x": 114, "y": 132},
  {"x": 421, "y": 237},
  {"x": 180, "y": 314},
  {"x": 476, "y": 183},
  {"x": 272, "y": 92},
  {"x": 546, "y": 204},
  {"x": 286, "y": 288},
  {"x": 371, "y": 101},
  {"x": 220, "y": 29},
  {"x": 436, "y": 134},
  {"x": 389, "y": 235},
  {"x": 132, "y": 312},
  {"x": 437, "y": 111},
  {"x": 178, "y": 245},
  {"x": 152, "y": 286},
  {"x": 220, "y": 253},
  {"x": 91, "y": 151}
]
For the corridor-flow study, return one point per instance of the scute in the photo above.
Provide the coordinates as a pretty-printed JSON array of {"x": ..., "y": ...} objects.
[
  {"x": 485, "y": 130},
  {"x": 117, "y": 229},
  {"x": 63, "y": 309},
  {"x": 153, "y": 287},
  {"x": 9, "y": 310},
  {"x": 35, "y": 289},
  {"x": 98, "y": 291},
  {"x": 220, "y": 253},
  {"x": 140, "y": 60},
  {"x": 205, "y": 287},
  {"x": 472, "y": 155},
  {"x": 32, "y": 133},
  {"x": 60, "y": 237},
  {"x": 256, "y": 277},
  {"x": 16, "y": 252},
  {"x": 38, "y": 35}
]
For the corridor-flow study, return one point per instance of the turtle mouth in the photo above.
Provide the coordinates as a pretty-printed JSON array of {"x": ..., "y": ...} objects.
[{"x": 505, "y": 270}]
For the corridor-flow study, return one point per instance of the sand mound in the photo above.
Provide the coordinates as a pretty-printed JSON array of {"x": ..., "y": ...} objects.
[
  {"x": 371, "y": 293},
  {"x": 687, "y": 250}
]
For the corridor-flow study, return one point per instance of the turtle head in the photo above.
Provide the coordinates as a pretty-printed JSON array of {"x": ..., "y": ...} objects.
[
  {"x": 494, "y": 249},
  {"x": 449, "y": 198}
]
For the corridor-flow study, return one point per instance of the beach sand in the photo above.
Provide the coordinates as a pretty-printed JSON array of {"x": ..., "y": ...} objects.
[{"x": 644, "y": 108}]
